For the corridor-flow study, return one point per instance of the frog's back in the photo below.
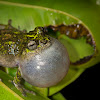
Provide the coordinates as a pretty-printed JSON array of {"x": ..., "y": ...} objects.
[
  {"x": 12, "y": 43},
  {"x": 11, "y": 40}
]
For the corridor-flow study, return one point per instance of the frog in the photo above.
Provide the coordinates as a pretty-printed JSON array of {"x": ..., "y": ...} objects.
[{"x": 42, "y": 60}]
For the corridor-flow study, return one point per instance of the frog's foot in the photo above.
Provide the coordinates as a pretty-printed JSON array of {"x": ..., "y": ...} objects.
[
  {"x": 18, "y": 82},
  {"x": 23, "y": 90},
  {"x": 29, "y": 91},
  {"x": 20, "y": 88}
]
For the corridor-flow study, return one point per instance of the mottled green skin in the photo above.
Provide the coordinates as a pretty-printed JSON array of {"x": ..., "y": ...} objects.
[{"x": 13, "y": 41}]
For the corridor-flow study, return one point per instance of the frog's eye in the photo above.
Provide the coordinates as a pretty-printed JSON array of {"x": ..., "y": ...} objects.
[{"x": 32, "y": 45}]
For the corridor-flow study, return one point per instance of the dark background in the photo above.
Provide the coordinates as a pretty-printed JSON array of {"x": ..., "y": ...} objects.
[{"x": 86, "y": 87}]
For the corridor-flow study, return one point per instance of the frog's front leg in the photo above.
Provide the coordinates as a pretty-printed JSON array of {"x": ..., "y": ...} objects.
[{"x": 18, "y": 82}]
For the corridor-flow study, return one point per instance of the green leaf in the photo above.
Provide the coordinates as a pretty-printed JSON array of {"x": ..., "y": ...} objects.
[
  {"x": 58, "y": 96},
  {"x": 7, "y": 93},
  {"x": 28, "y": 17}
]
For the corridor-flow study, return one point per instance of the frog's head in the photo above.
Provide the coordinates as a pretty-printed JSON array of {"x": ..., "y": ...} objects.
[{"x": 38, "y": 38}]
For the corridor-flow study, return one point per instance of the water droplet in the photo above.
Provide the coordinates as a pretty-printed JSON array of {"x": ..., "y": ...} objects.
[
  {"x": 51, "y": 13},
  {"x": 0, "y": 79},
  {"x": 78, "y": 25},
  {"x": 80, "y": 22},
  {"x": 75, "y": 30},
  {"x": 54, "y": 22},
  {"x": 67, "y": 32},
  {"x": 64, "y": 22},
  {"x": 98, "y": 2}
]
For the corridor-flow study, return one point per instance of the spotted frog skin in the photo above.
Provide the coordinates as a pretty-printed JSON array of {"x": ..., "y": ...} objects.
[{"x": 14, "y": 42}]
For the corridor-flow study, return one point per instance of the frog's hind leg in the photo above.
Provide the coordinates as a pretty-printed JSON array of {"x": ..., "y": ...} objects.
[
  {"x": 18, "y": 82},
  {"x": 75, "y": 31}
]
